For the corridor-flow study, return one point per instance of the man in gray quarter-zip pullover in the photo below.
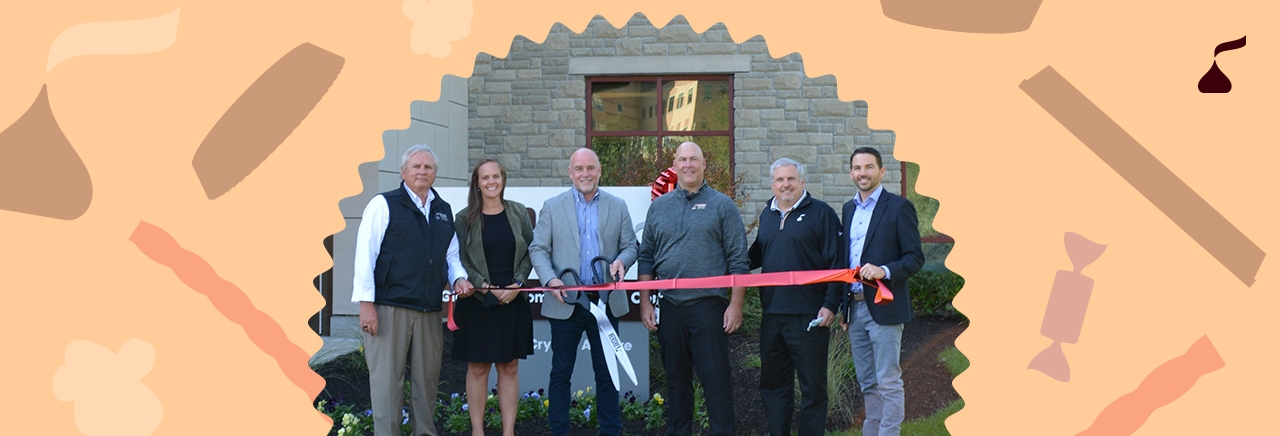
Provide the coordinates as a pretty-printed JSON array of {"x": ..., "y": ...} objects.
[{"x": 694, "y": 231}]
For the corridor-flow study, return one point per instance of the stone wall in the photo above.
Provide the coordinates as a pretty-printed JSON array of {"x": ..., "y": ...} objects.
[{"x": 529, "y": 109}]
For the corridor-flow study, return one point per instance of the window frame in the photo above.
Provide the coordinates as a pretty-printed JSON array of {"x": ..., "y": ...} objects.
[{"x": 661, "y": 132}]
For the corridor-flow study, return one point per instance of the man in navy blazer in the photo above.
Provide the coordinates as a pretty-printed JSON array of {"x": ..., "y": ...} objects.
[{"x": 880, "y": 234}]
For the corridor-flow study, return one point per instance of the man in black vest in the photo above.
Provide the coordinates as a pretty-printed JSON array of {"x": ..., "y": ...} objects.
[{"x": 406, "y": 256}]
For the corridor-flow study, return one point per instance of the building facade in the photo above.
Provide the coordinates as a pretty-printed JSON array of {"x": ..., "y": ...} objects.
[{"x": 631, "y": 93}]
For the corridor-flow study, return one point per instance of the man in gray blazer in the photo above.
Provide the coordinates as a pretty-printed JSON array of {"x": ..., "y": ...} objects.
[{"x": 574, "y": 228}]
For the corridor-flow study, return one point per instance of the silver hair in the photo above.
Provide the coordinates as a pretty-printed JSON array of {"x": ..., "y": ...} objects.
[
  {"x": 785, "y": 162},
  {"x": 416, "y": 149}
]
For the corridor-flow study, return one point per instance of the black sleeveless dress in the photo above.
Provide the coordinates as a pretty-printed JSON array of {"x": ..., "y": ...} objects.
[{"x": 488, "y": 331}]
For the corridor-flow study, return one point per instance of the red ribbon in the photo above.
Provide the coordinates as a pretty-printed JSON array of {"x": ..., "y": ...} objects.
[{"x": 785, "y": 278}]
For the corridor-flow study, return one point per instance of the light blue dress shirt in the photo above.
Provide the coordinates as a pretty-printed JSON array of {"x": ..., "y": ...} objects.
[
  {"x": 588, "y": 233},
  {"x": 858, "y": 231}
]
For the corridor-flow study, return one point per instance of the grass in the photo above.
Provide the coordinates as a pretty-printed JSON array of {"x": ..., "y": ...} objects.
[
  {"x": 955, "y": 361},
  {"x": 927, "y": 426},
  {"x": 933, "y": 424}
]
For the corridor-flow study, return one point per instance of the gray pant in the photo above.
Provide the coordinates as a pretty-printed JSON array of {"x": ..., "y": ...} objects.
[
  {"x": 876, "y": 350},
  {"x": 404, "y": 334}
]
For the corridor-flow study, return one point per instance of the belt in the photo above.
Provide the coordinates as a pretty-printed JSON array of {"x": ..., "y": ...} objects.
[{"x": 857, "y": 296}]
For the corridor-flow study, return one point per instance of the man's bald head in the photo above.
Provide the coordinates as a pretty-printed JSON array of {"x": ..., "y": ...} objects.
[
  {"x": 584, "y": 171},
  {"x": 690, "y": 166}
]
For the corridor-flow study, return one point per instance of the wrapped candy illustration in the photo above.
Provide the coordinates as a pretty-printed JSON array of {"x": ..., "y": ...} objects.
[{"x": 1068, "y": 302}]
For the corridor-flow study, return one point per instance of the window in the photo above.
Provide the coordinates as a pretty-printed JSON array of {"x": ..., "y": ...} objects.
[
  {"x": 635, "y": 148},
  {"x": 619, "y": 107}
]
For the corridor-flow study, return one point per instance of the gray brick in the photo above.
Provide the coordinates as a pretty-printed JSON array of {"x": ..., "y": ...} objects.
[
  {"x": 796, "y": 104},
  {"x": 517, "y": 114},
  {"x": 772, "y": 114},
  {"x": 642, "y": 30},
  {"x": 504, "y": 75},
  {"x": 820, "y": 139},
  {"x": 856, "y": 125},
  {"x": 782, "y": 126},
  {"x": 562, "y": 138},
  {"x": 540, "y": 141},
  {"x": 557, "y": 42},
  {"x": 787, "y": 80},
  {"x": 759, "y": 103},
  {"x": 882, "y": 137},
  {"x": 536, "y": 101},
  {"x": 562, "y": 103},
  {"x": 831, "y": 108},
  {"x": 756, "y": 84},
  {"x": 754, "y": 133},
  {"x": 500, "y": 100},
  {"x": 523, "y": 129},
  {"x": 573, "y": 88},
  {"x": 746, "y": 118},
  {"x": 511, "y": 162},
  {"x": 655, "y": 49},
  {"x": 546, "y": 117},
  {"x": 488, "y": 111},
  {"x": 515, "y": 144},
  {"x": 629, "y": 47},
  {"x": 795, "y": 138},
  {"x": 752, "y": 47},
  {"x": 497, "y": 87},
  {"x": 573, "y": 120},
  {"x": 800, "y": 154},
  {"x": 713, "y": 48},
  {"x": 529, "y": 74},
  {"x": 674, "y": 32},
  {"x": 827, "y": 80},
  {"x": 602, "y": 29}
]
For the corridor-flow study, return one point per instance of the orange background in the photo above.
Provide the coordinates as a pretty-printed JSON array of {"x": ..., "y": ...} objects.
[{"x": 1010, "y": 180}]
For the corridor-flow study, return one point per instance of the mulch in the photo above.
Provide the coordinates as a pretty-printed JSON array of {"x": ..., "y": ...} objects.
[{"x": 927, "y": 382}]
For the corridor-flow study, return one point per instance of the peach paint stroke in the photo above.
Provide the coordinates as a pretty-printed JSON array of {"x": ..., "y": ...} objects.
[
  {"x": 147, "y": 35},
  {"x": 197, "y": 274},
  {"x": 1168, "y": 382}
]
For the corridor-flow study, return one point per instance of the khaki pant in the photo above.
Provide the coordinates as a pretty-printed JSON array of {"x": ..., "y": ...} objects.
[{"x": 419, "y": 337}]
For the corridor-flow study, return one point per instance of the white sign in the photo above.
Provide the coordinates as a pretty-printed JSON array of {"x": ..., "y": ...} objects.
[{"x": 637, "y": 198}]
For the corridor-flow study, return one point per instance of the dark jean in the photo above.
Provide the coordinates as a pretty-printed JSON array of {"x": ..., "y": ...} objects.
[{"x": 565, "y": 337}]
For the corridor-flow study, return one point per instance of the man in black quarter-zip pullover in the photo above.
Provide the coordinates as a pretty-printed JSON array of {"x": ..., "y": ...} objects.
[
  {"x": 694, "y": 231},
  {"x": 797, "y": 233}
]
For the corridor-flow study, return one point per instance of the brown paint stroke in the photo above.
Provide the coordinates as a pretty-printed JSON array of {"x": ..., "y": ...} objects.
[
  {"x": 231, "y": 302},
  {"x": 1168, "y": 382},
  {"x": 264, "y": 116},
  {"x": 970, "y": 16},
  {"x": 1145, "y": 173},
  {"x": 40, "y": 172}
]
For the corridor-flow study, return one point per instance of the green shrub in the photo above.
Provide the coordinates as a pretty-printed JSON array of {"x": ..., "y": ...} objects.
[{"x": 932, "y": 292}]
